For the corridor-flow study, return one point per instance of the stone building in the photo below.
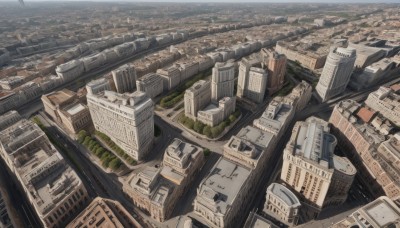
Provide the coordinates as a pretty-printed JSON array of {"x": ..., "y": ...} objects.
[
  {"x": 386, "y": 102},
  {"x": 53, "y": 188},
  {"x": 300, "y": 96},
  {"x": 276, "y": 116},
  {"x": 157, "y": 190},
  {"x": 222, "y": 81},
  {"x": 369, "y": 150},
  {"x": 282, "y": 204},
  {"x": 222, "y": 193},
  {"x": 65, "y": 109},
  {"x": 171, "y": 77},
  {"x": 256, "y": 221},
  {"x": 212, "y": 115},
  {"x": 252, "y": 81},
  {"x": 151, "y": 84},
  {"x": 381, "y": 212},
  {"x": 70, "y": 70},
  {"x": 197, "y": 97},
  {"x": 336, "y": 73},
  {"x": 276, "y": 66},
  {"x": 128, "y": 119},
  {"x": 8, "y": 119},
  {"x": 98, "y": 86},
  {"x": 182, "y": 161},
  {"x": 104, "y": 213},
  {"x": 311, "y": 169},
  {"x": 124, "y": 78}
]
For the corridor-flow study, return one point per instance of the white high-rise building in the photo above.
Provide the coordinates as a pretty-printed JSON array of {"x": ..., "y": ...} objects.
[
  {"x": 98, "y": 86},
  {"x": 196, "y": 98},
  {"x": 223, "y": 81},
  {"x": 252, "y": 81},
  {"x": 124, "y": 78},
  {"x": 336, "y": 73},
  {"x": 128, "y": 119}
]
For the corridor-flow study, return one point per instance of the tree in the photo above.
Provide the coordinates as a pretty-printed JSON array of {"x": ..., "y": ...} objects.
[
  {"x": 206, "y": 152},
  {"x": 232, "y": 118},
  {"x": 207, "y": 131},
  {"x": 99, "y": 151},
  {"x": 87, "y": 141},
  {"x": 115, "y": 163},
  {"x": 198, "y": 127},
  {"x": 82, "y": 135}
]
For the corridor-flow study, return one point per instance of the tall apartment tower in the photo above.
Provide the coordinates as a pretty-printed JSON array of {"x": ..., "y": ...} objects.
[
  {"x": 252, "y": 80},
  {"x": 223, "y": 81},
  {"x": 196, "y": 98},
  {"x": 312, "y": 170},
  {"x": 276, "y": 65},
  {"x": 336, "y": 73},
  {"x": 98, "y": 86},
  {"x": 128, "y": 119},
  {"x": 124, "y": 78}
]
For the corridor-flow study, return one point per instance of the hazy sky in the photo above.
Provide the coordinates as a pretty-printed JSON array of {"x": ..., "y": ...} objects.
[{"x": 237, "y": 1}]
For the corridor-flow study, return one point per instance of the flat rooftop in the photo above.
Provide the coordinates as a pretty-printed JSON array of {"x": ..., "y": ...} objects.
[
  {"x": 284, "y": 194},
  {"x": 75, "y": 109},
  {"x": 60, "y": 97},
  {"x": 223, "y": 184},
  {"x": 256, "y": 136}
]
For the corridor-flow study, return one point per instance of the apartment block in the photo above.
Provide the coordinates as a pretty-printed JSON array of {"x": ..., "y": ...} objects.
[{"x": 128, "y": 119}]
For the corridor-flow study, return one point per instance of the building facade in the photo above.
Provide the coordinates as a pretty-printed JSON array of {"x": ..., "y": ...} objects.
[
  {"x": 252, "y": 81},
  {"x": 98, "y": 86},
  {"x": 151, "y": 84},
  {"x": 53, "y": 188},
  {"x": 65, "y": 109},
  {"x": 312, "y": 170},
  {"x": 222, "y": 193},
  {"x": 368, "y": 149},
  {"x": 222, "y": 81},
  {"x": 386, "y": 102},
  {"x": 157, "y": 190},
  {"x": 276, "y": 65},
  {"x": 212, "y": 115},
  {"x": 104, "y": 213},
  {"x": 197, "y": 97},
  {"x": 124, "y": 78},
  {"x": 336, "y": 73},
  {"x": 381, "y": 212},
  {"x": 282, "y": 204},
  {"x": 128, "y": 119}
]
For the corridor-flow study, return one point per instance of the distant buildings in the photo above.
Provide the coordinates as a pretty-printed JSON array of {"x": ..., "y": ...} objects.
[
  {"x": 104, "y": 213},
  {"x": 222, "y": 81},
  {"x": 375, "y": 72},
  {"x": 151, "y": 84},
  {"x": 312, "y": 170},
  {"x": 156, "y": 190},
  {"x": 386, "y": 102},
  {"x": 124, "y": 79},
  {"x": 50, "y": 184},
  {"x": 276, "y": 66},
  {"x": 282, "y": 204},
  {"x": 381, "y": 212},
  {"x": 297, "y": 51},
  {"x": 126, "y": 118},
  {"x": 336, "y": 73},
  {"x": 66, "y": 109}
]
